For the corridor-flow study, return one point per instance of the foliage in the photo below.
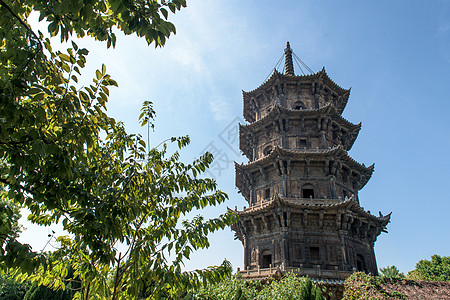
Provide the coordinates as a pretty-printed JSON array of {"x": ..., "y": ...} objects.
[
  {"x": 121, "y": 202},
  {"x": 98, "y": 18},
  {"x": 39, "y": 292},
  {"x": 436, "y": 269},
  {"x": 360, "y": 286},
  {"x": 9, "y": 220},
  {"x": 292, "y": 287},
  {"x": 11, "y": 289},
  {"x": 230, "y": 288},
  {"x": 288, "y": 287},
  {"x": 391, "y": 272}
]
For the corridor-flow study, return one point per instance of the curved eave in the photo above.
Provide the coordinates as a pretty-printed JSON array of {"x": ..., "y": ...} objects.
[
  {"x": 238, "y": 234},
  {"x": 354, "y": 137},
  {"x": 278, "y": 110},
  {"x": 277, "y": 76},
  {"x": 240, "y": 181},
  {"x": 248, "y": 116},
  {"x": 243, "y": 143},
  {"x": 344, "y": 93},
  {"x": 280, "y": 202},
  {"x": 335, "y": 152},
  {"x": 341, "y": 105},
  {"x": 247, "y": 95},
  {"x": 368, "y": 175},
  {"x": 351, "y": 127},
  {"x": 337, "y": 88},
  {"x": 322, "y": 74}
]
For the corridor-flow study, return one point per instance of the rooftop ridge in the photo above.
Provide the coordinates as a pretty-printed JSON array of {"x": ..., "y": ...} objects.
[
  {"x": 317, "y": 75},
  {"x": 329, "y": 106},
  {"x": 323, "y": 71},
  {"x": 278, "y": 76},
  {"x": 278, "y": 199},
  {"x": 337, "y": 150}
]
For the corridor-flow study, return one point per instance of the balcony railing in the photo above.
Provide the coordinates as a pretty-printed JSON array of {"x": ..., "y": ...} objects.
[
  {"x": 313, "y": 201},
  {"x": 311, "y": 272},
  {"x": 295, "y": 199}
]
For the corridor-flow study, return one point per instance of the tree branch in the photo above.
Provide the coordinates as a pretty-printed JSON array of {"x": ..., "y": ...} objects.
[{"x": 39, "y": 43}]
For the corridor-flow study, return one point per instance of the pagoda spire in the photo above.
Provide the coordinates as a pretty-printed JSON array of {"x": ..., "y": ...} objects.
[{"x": 288, "y": 65}]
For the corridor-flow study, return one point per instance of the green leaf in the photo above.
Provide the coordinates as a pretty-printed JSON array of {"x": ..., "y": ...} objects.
[
  {"x": 33, "y": 91},
  {"x": 84, "y": 97},
  {"x": 83, "y": 51},
  {"x": 53, "y": 26},
  {"x": 75, "y": 47},
  {"x": 165, "y": 13},
  {"x": 65, "y": 67},
  {"x": 64, "y": 57}
]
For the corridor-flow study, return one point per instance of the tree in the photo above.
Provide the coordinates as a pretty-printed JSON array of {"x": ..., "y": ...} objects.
[
  {"x": 9, "y": 220},
  {"x": 391, "y": 272},
  {"x": 39, "y": 292},
  {"x": 11, "y": 289},
  {"x": 120, "y": 201},
  {"x": 436, "y": 269}
]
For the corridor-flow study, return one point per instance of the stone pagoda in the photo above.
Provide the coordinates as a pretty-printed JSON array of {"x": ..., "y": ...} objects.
[{"x": 301, "y": 185}]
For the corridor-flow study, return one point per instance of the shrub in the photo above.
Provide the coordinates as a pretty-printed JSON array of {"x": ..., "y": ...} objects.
[
  {"x": 391, "y": 272},
  {"x": 288, "y": 287},
  {"x": 360, "y": 286},
  {"x": 436, "y": 269}
]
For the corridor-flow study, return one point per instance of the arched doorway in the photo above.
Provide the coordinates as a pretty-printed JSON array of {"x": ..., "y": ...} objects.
[
  {"x": 267, "y": 150},
  {"x": 308, "y": 191},
  {"x": 266, "y": 259},
  {"x": 298, "y": 105},
  {"x": 360, "y": 263}
]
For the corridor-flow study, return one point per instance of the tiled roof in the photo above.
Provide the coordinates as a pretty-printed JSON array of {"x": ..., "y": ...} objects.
[
  {"x": 313, "y": 204},
  {"x": 277, "y": 77},
  {"x": 335, "y": 152}
]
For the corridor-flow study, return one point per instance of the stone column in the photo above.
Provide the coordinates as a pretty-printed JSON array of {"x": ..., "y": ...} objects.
[
  {"x": 284, "y": 247},
  {"x": 332, "y": 187},
  {"x": 323, "y": 140},
  {"x": 342, "y": 234},
  {"x": 245, "y": 253}
]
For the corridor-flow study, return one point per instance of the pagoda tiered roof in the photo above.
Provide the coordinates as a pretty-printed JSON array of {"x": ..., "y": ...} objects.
[
  {"x": 329, "y": 205},
  {"x": 278, "y": 77},
  {"x": 299, "y": 177},
  {"x": 313, "y": 204},
  {"x": 242, "y": 171},
  {"x": 332, "y": 153},
  {"x": 278, "y": 110}
]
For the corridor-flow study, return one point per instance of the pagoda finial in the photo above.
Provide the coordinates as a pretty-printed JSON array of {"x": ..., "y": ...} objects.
[{"x": 288, "y": 65}]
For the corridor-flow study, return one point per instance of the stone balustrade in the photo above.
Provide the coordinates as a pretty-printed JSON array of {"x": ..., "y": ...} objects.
[
  {"x": 300, "y": 271},
  {"x": 298, "y": 199}
]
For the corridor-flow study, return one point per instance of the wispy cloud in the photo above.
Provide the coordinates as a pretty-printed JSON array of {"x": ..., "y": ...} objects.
[{"x": 220, "y": 109}]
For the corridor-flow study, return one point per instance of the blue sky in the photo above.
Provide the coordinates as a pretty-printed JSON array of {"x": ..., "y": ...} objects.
[{"x": 395, "y": 55}]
